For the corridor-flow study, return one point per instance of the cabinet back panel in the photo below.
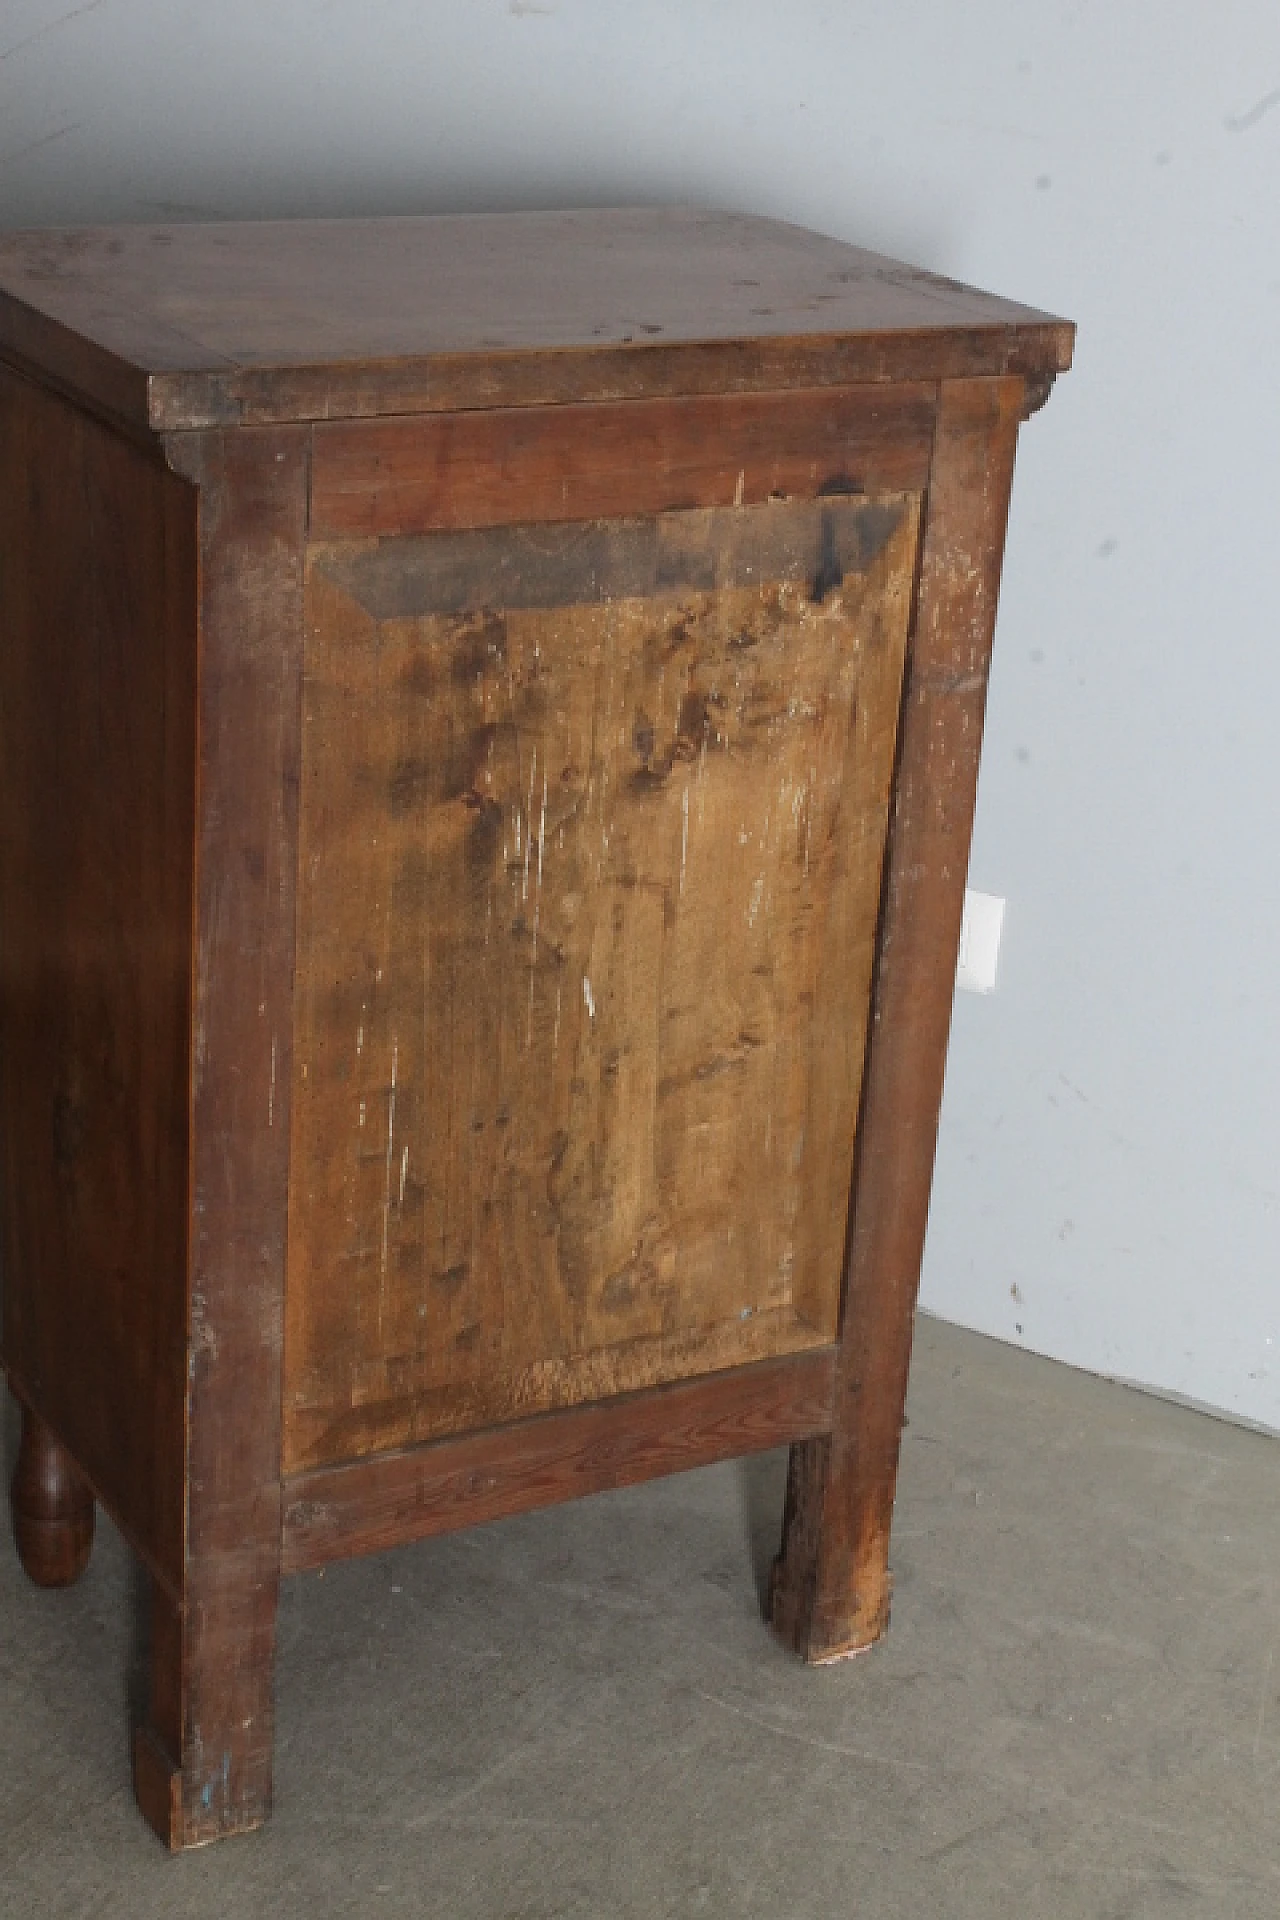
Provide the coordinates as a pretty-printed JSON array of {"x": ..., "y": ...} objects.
[{"x": 591, "y": 830}]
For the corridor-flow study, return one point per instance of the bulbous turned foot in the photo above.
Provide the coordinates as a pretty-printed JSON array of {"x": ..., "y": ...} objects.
[{"x": 53, "y": 1510}]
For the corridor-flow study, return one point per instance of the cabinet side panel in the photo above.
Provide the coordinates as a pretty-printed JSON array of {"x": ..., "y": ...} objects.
[{"x": 97, "y": 741}]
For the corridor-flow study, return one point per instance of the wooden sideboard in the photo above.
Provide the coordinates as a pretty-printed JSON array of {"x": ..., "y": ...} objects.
[{"x": 489, "y": 723}]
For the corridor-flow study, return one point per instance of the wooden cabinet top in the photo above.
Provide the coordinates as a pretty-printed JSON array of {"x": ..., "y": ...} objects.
[{"x": 182, "y": 327}]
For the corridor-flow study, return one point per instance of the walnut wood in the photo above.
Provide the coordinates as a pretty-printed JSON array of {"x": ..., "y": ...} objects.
[
  {"x": 203, "y": 1760},
  {"x": 831, "y": 1586},
  {"x": 369, "y": 1504},
  {"x": 97, "y": 703},
  {"x": 1035, "y": 392},
  {"x": 653, "y": 512},
  {"x": 52, "y": 1508},
  {"x": 635, "y": 457},
  {"x": 590, "y": 883},
  {"x": 180, "y": 327}
]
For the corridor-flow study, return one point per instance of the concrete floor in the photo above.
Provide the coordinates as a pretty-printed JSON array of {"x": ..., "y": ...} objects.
[{"x": 579, "y": 1713}]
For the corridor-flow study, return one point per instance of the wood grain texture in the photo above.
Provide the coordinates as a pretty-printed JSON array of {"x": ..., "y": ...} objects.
[
  {"x": 595, "y": 462},
  {"x": 182, "y": 327},
  {"x": 97, "y": 784},
  {"x": 335, "y": 1512},
  {"x": 590, "y": 851},
  {"x": 203, "y": 1761},
  {"x": 556, "y": 729},
  {"x": 53, "y": 1514},
  {"x": 831, "y": 1583}
]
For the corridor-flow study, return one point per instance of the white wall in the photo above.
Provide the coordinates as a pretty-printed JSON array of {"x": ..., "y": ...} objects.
[{"x": 1109, "y": 1172}]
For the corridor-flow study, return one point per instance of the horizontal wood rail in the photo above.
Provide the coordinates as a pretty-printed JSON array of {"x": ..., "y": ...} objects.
[
  {"x": 595, "y": 460},
  {"x": 366, "y": 1505}
]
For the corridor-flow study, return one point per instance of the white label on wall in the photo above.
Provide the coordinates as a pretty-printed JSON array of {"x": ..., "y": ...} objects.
[{"x": 980, "y": 926}]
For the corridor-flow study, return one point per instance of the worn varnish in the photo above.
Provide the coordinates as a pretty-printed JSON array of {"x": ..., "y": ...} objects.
[
  {"x": 831, "y": 1585},
  {"x": 588, "y": 909},
  {"x": 202, "y": 1759},
  {"x": 182, "y": 327},
  {"x": 634, "y": 457},
  {"x": 333, "y": 1512},
  {"x": 489, "y": 724}
]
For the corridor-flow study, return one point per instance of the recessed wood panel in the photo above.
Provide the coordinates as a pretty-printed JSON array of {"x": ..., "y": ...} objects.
[{"x": 591, "y": 829}]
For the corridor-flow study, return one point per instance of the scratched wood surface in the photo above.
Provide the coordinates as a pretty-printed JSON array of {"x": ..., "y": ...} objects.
[
  {"x": 831, "y": 1584},
  {"x": 238, "y": 323},
  {"x": 590, "y": 836},
  {"x": 423, "y": 474},
  {"x": 362, "y": 1506},
  {"x": 202, "y": 1757}
]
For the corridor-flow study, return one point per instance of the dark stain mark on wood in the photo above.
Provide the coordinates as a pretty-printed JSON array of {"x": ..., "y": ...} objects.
[
  {"x": 480, "y": 647},
  {"x": 705, "y": 550},
  {"x": 830, "y": 573}
]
